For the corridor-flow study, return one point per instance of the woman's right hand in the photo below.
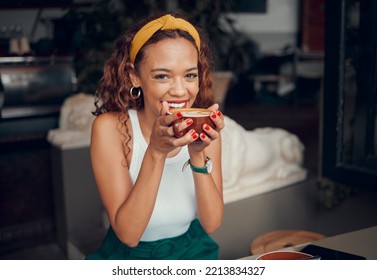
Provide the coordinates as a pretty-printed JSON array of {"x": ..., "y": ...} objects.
[{"x": 162, "y": 136}]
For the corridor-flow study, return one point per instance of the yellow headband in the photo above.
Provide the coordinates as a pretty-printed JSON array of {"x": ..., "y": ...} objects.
[{"x": 167, "y": 22}]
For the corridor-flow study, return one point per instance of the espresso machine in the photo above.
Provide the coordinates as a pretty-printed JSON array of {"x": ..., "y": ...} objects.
[{"x": 32, "y": 90}]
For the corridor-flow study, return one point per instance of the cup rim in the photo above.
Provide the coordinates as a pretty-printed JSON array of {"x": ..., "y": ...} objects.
[{"x": 183, "y": 110}]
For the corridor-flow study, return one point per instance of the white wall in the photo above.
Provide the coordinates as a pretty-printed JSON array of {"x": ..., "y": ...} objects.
[
  {"x": 274, "y": 29},
  {"x": 281, "y": 17}
]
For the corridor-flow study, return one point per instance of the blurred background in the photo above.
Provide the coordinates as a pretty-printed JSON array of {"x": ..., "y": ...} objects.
[{"x": 307, "y": 66}]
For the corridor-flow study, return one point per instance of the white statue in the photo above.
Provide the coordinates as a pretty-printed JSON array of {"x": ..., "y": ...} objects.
[
  {"x": 259, "y": 160},
  {"x": 75, "y": 122}
]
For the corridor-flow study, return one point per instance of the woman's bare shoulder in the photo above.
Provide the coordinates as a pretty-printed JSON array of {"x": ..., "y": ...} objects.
[
  {"x": 109, "y": 125},
  {"x": 106, "y": 120},
  {"x": 108, "y": 130}
]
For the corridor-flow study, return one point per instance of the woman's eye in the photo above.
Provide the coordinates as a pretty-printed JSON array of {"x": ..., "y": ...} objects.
[
  {"x": 161, "y": 76},
  {"x": 192, "y": 75}
]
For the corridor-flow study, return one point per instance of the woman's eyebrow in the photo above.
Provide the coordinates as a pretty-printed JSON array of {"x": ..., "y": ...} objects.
[
  {"x": 192, "y": 69},
  {"x": 168, "y": 70},
  {"x": 160, "y": 69}
]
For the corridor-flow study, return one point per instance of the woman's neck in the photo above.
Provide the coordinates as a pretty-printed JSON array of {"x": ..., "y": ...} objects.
[{"x": 145, "y": 124}]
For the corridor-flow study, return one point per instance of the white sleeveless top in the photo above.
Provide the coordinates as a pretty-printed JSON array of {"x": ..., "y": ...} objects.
[{"x": 175, "y": 206}]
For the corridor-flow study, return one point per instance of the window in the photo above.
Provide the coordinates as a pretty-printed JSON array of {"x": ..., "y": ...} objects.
[{"x": 350, "y": 92}]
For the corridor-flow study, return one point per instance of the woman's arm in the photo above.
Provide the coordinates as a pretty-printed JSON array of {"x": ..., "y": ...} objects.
[
  {"x": 209, "y": 187},
  {"x": 129, "y": 207}
]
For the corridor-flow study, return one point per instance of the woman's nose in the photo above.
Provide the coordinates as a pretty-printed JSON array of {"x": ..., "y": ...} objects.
[{"x": 179, "y": 88}]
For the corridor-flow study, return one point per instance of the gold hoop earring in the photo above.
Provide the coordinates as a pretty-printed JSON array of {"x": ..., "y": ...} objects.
[{"x": 133, "y": 95}]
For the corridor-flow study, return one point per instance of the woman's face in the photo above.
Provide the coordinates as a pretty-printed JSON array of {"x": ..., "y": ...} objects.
[{"x": 168, "y": 72}]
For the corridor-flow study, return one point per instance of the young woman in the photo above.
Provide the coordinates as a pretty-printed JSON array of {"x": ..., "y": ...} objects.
[{"x": 157, "y": 210}]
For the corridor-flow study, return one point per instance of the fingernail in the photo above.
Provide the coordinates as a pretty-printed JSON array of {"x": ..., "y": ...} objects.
[
  {"x": 219, "y": 113},
  {"x": 195, "y": 135},
  {"x": 189, "y": 121},
  {"x": 213, "y": 115},
  {"x": 203, "y": 136},
  {"x": 179, "y": 115},
  {"x": 206, "y": 127}
]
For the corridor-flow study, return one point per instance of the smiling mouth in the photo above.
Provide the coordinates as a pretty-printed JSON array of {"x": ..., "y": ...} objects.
[{"x": 174, "y": 105}]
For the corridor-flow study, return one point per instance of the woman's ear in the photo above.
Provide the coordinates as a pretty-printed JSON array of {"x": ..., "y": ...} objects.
[{"x": 134, "y": 76}]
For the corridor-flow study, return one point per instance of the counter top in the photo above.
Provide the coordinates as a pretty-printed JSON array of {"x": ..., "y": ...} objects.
[{"x": 361, "y": 242}]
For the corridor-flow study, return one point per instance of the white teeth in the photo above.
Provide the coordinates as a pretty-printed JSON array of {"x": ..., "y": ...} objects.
[{"x": 176, "y": 105}]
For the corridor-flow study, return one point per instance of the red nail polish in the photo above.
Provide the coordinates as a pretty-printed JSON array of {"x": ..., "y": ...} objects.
[
  {"x": 195, "y": 135},
  {"x": 206, "y": 127},
  {"x": 213, "y": 115},
  {"x": 219, "y": 113},
  {"x": 189, "y": 121},
  {"x": 203, "y": 136},
  {"x": 179, "y": 115}
]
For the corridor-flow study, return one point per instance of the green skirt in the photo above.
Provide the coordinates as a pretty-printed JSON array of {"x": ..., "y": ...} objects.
[{"x": 195, "y": 244}]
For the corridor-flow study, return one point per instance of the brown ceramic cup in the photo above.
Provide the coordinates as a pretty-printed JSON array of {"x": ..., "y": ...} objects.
[{"x": 199, "y": 116}]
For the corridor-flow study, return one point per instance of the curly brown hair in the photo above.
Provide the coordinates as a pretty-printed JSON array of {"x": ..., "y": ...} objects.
[{"x": 113, "y": 91}]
